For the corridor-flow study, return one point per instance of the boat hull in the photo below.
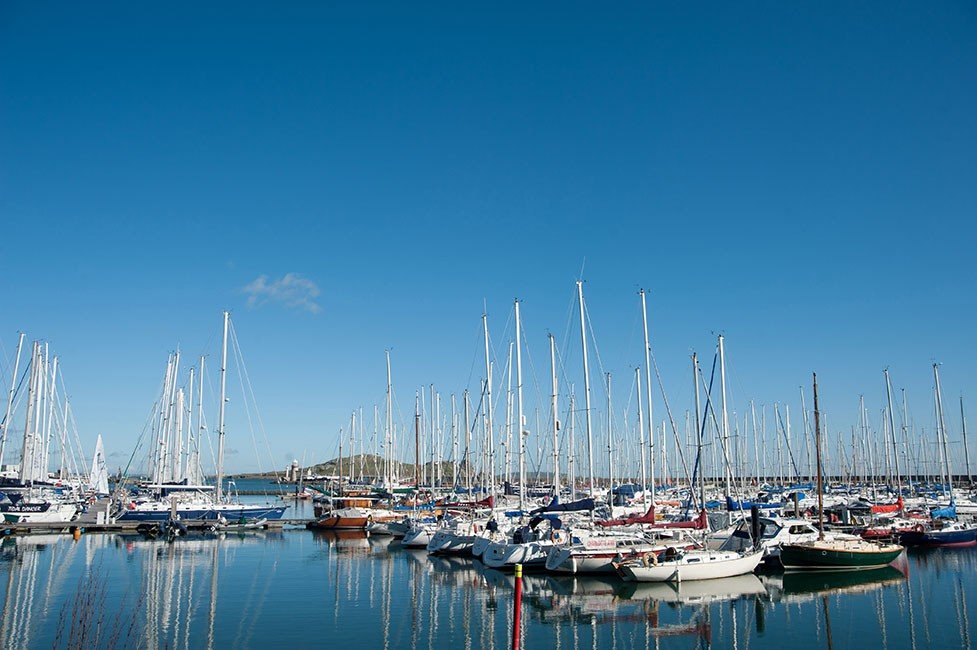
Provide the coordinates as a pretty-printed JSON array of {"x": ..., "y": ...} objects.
[
  {"x": 805, "y": 558},
  {"x": 230, "y": 513},
  {"x": 942, "y": 539},
  {"x": 339, "y": 523},
  {"x": 685, "y": 571},
  {"x": 507, "y": 556},
  {"x": 451, "y": 543},
  {"x": 23, "y": 513}
]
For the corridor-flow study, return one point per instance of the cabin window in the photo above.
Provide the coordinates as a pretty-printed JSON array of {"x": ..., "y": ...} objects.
[
  {"x": 799, "y": 530},
  {"x": 693, "y": 561}
]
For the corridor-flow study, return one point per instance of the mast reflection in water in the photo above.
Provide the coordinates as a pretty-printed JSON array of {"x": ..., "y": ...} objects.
[{"x": 303, "y": 589}]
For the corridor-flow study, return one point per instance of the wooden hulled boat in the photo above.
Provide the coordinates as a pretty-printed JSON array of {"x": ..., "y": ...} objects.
[{"x": 343, "y": 519}]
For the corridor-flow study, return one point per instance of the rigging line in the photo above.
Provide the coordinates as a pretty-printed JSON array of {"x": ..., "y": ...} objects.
[
  {"x": 7, "y": 361},
  {"x": 17, "y": 395},
  {"x": 475, "y": 355},
  {"x": 631, "y": 338},
  {"x": 600, "y": 362},
  {"x": 125, "y": 474},
  {"x": 571, "y": 309},
  {"x": 790, "y": 452},
  {"x": 699, "y": 467},
  {"x": 532, "y": 371},
  {"x": 69, "y": 411},
  {"x": 247, "y": 408},
  {"x": 712, "y": 412},
  {"x": 671, "y": 419},
  {"x": 210, "y": 436}
]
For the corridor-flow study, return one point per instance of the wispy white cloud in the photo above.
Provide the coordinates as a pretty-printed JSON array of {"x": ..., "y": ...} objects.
[{"x": 291, "y": 290}]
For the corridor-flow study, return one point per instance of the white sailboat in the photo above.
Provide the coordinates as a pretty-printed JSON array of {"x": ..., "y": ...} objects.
[
  {"x": 677, "y": 566},
  {"x": 177, "y": 481},
  {"x": 32, "y": 496}
]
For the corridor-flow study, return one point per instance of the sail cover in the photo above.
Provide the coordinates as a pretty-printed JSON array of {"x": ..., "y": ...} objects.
[
  {"x": 892, "y": 507},
  {"x": 573, "y": 506}
]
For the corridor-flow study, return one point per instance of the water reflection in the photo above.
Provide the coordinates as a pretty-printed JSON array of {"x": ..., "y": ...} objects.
[{"x": 292, "y": 588}]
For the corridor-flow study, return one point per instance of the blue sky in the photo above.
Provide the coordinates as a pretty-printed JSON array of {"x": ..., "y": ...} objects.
[{"x": 800, "y": 176}]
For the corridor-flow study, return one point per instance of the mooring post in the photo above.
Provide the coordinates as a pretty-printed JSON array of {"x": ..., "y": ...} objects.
[{"x": 517, "y": 609}]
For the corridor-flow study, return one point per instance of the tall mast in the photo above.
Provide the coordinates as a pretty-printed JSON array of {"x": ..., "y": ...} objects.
[
  {"x": 651, "y": 414},
  {"x": 519, "y": 418},
  {"x": 817, "y": 444},
  {"x": 905, "y": 438},
  {"x": 571, "y": 449},
  {"x": 554, "y": 408},
  {"x": 756, "y": 445},
  {"x": 352, "y": 446},
  {"x": 488, "y": 407},
  {"x": 190, "y": 433},
  {"x": 339, "y": 476},
  {"x": 870, "y": 454},
  {"x": 892, "y": 428},
  {"x": 725, "y": 432},
  {"x": 10, "y": 397},
  {"x": 63, "y": 472},
  {"x": 220, "y": 412},
  {"x": 508, "y": 418},
  {"x": 807, "y": 433},
  {"x": 174, "y": 422},
  {"x": 200, "y": 424},
  {"x": 454, "y": 443},
  {"x": 50, "y": 419},
  {"x": 417, "y": 445},
  {"x": 388, "y": 432},
  {"x": 698, "y": 434},
  {"x": 432, "y": 436},
  {"x": 942, "y": 425},
  {"x": 641, "y": 435},
  {"x": 26, "y": 454},
  {"x": 610, "y": 446},
  {"x": 966, "y": 450},
  {"x": 468, "y": 443},
  {"x": 586, "y": 386}
]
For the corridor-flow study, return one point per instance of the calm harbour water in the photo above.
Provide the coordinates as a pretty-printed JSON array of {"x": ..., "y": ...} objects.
[{"x": 305, "y": 589}]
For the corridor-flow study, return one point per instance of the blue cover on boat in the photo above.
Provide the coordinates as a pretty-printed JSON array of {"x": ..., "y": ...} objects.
[
  {"x": 949, "y": 512},
  {"x": 801, "y": 486},
  {"x": 746, "y": 505},
  {"x": 574, "y": 506}
]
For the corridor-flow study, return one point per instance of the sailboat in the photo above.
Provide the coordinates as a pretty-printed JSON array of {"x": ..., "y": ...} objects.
[
  {"x": 940, "y": 532},
  {"x": 177, "y": 484},
  {"x": 834, "y": 554},
  {"x": 32, "y": 496}
]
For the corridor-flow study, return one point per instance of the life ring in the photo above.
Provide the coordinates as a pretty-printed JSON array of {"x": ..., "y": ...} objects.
[
  {"x": 918, "y": 528},
  {"x": 559, "y": 536}
]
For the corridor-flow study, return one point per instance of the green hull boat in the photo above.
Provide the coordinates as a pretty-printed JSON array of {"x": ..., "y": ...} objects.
[{"x": 838, "y": 555}]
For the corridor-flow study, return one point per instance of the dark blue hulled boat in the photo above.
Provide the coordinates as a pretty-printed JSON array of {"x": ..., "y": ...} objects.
[{"x": 950, "y": 535}]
